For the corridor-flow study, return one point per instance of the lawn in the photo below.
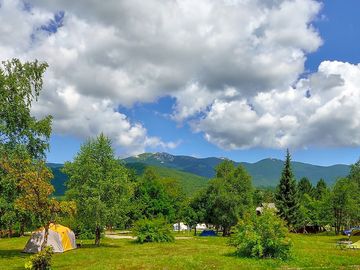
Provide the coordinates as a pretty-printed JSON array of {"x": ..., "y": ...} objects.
[{"x": 310, "y": 251}]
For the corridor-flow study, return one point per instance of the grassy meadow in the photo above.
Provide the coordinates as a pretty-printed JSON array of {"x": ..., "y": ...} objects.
[{"x": 310, "y": 252}]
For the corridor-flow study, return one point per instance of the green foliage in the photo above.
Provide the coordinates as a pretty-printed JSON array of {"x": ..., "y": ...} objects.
[
  {"x": 304, "y": 187},
  {"x": 263, "y": 236},
  {"x": 190, "y": 216},
  {"x": 22, "y": 136},
  {"x": 34, "y": 190},
  {"x": 156, "y": 197},
  {"x": 226, "y": 198},
  {"x": 286, "y": 196},
  {"x": 344, "y": 201},
  {"x": 8, "y": 195},
  {"x": 153, "y": 230},
  {"x": 355, "y": 172},
  {"x": 321, "y": 189},
  {"x": 263, "y": 195},
  {"x": 315, "y": 206},
  {"x": 20, "y": 85},
  {"x": 41, "y": 260},
  {"x": 99, "y": 185},
  {"x": 223, "y": 208},
  {"x": 354, "y": 177}
]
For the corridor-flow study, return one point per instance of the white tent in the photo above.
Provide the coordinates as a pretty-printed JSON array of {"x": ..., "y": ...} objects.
[
  {"x": 60, "y": 238},
  {"x": 201, "y": 226},
  {"x": 180, "y": 227}
]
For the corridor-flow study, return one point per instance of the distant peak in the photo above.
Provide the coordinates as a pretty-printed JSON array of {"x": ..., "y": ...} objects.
[
  {"x": 162, "y": 156},
  {"x": 270, "y": 159}
]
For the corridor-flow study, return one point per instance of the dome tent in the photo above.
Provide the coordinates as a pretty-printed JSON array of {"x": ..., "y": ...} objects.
[{"x": 60, "y": 238}]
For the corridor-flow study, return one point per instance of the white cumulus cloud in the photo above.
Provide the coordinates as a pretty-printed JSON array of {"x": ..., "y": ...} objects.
[
  {"x": 322, "y": 110},
  {"x": 232, "y": 66}
]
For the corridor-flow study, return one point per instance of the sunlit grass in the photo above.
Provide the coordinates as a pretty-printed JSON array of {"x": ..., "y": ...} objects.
[{"x": 191, "y": 253}]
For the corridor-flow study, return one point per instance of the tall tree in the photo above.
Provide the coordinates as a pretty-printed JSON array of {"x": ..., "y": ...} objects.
[
  {"x": 354, "y": 177},
  {"x": 344, "y": 204},
  {"x": 22, "y": 136},
  {"x": 34, "y": 190},
  {"x": 228, "y": 196},
  {"x": 176, "y": 195},
  {"x": 287, "y": 201},
  {"x": 153, "y": 198},
  {"x": 99, "y": 185},
  {"x": 196, "y": 210}
]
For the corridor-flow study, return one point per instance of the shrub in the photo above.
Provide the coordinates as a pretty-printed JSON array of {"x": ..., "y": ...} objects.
[
  {"x": 85, "y": 234},
  {"x": 41, "y": 260},
  {"x": 263, "y": 236},
  {"x": 155, "y": 230}
]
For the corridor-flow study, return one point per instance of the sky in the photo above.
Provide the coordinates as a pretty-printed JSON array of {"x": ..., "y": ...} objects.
[{"x": 243, "y": 79}]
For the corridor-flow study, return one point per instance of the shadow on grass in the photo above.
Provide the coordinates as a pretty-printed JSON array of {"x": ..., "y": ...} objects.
[
  {"x": 102, "y": 245},
  {"x": 235, "y": 255},
  {"x": 269, "y": 259},
  {"x": 8, "y": 254}
]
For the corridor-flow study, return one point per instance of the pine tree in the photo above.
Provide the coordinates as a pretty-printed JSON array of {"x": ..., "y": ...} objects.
[
  {"x": 305, "y": 187},
  {"x": 320, "y": 189},
  {"x": 286, "y": 197}
]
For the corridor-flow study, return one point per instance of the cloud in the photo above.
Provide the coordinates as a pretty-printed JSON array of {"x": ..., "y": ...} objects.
[
  {"x": 146, "y": 49},
  {"x": 233, "y": 67},
  {"x": 328, "y": 116},
  {"x": 80, "y": 91}
]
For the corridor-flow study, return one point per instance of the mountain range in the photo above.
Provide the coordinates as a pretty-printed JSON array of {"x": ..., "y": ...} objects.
[
  {"x": 193, "y": 173},
  {"x": 265, "y": 172}
]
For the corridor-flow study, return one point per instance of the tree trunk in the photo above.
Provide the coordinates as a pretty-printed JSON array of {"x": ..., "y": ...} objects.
[
  {"x": 226, "y": 231},
  {"x": 179, "y": 229},
  {"x": 10, "y": 232},
  {"x": 46, "y": 235},
  {"x": 22, "y": 229},
  {"x": 97, "y": 236},
  {"x": 195, "y": 231}
]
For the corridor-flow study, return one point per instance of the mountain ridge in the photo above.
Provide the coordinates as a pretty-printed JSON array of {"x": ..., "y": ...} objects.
[{"x": 265, "y": 172}]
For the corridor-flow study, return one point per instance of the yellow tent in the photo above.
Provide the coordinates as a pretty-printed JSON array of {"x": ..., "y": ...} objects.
[
  {"x": 355, "y": 239},
  {"x": 60, "y": 238},
  {"x": 355, "y": 245}
]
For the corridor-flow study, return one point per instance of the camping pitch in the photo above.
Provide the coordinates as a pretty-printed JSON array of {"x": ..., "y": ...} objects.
[{"x": 60, "y": 238}]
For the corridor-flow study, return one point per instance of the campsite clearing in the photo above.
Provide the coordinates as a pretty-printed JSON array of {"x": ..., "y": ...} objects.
[{"x": 317, "y": 251}]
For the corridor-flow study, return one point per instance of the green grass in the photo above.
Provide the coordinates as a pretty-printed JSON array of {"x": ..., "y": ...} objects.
[{"x": 310, "y": 251}]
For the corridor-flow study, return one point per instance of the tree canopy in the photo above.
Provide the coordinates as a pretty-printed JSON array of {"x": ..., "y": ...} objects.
[
  {"x": 287, "y": 201},
  {"x": 228, "y": 196},
  {"x": 20, "y": 85},
  {"x": 99, "y": 185}
]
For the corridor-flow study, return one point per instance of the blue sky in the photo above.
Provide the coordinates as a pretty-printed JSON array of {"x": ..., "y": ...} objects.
[{"x": 191, "y": 79}]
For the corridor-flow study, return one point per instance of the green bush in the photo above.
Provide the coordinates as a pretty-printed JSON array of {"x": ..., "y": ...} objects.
[
  {"x": 41, "y": 260},
  {"x": 153, "y": 230},
  {"x": 85, "y": 234},
  {"x": 263, "y": 236},
  {"x": 79, "y": 229}
]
